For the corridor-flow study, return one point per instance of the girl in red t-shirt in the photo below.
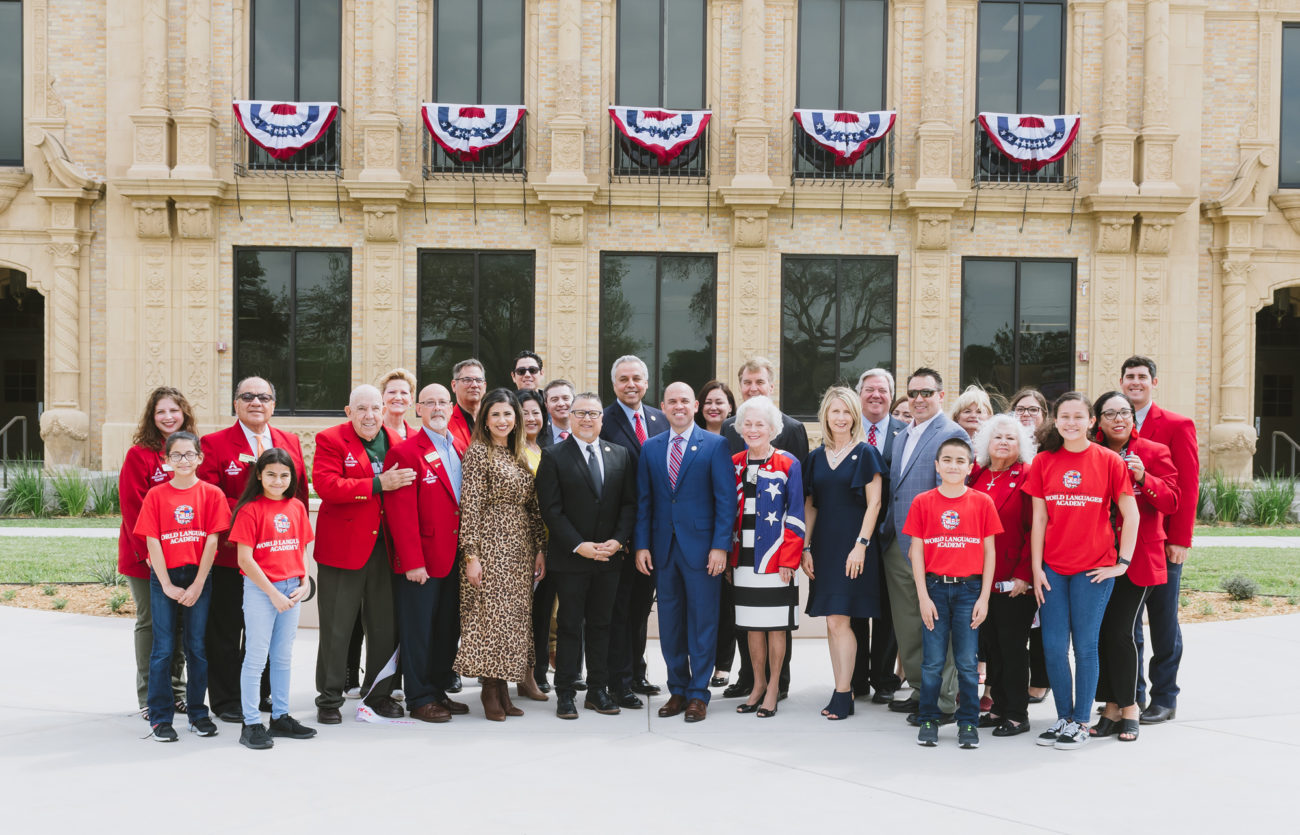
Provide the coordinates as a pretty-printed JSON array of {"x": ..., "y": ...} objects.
[
  {"x": 1073, "y": 483},
  {"x": 271, "y": 531}
]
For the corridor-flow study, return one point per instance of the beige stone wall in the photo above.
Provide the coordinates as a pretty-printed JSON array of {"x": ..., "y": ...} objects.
[{"x": 1177, "y": 166}]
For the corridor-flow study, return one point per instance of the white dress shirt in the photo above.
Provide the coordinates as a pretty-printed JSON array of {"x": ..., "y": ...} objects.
[{"x": 914, "y": 433}]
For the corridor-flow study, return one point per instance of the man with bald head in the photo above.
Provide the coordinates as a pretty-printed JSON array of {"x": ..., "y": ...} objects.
[
  {"x": 686, "y": 513},
  {"x": 228, "y": 457},
  {"x": 353, "y": 573},
  {"x": 424, "y": 521}
]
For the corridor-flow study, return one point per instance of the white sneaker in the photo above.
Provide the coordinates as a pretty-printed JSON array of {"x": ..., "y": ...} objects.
[
  {"x": 352, "y": 693},
  {"x": 1049, "y": 736},
  {"x": 1074, "y": 736}
]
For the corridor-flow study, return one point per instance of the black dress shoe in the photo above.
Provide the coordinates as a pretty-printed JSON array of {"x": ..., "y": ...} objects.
[
  {"x": 565, "y": 709},
  {"x": 265, "y": 704},
  {"x": 599, "y": 700},
  {"x": 1156, "y": 714},
  {"x": 455, "y": 686},
  {"x": 944, "y": 719},
  {"x": 234, "y": 717},
  {"x": 738, "y": 691},
  {"x": 543, "y": 684},
  {"x": 909, "y": 705},
  {"x": 328, "y": 716},
  {"x": 628, "y": 699},
  {"x": 580, "y": 684},
  {"x": 645, "y": 688},
  {"x": 385, "y": 706},
  {"x": 882, "y": 697}
]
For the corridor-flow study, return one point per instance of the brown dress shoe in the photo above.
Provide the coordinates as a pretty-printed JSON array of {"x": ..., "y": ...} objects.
[
  {"x": 696, "y": 710},
  {"x": 431, "y": 712},
  {"x": 491, "y": 697},
  {"x": 385, "y": 706},
  {"x": 328, "y": 716},
  {"x": 675, "y": 705},
  {"x": 453, "y": 707},
  {"x": 528, "y": 689},
  {"x": 503, "y": 690}
]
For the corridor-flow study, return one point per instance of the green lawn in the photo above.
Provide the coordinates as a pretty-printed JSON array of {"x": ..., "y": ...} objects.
[
  {"x": 1233, "y": 530},
  {"x": 1277, "y": 570},
  {"x": 58, "y": 559},
  {"x": 62, "y": 522}
]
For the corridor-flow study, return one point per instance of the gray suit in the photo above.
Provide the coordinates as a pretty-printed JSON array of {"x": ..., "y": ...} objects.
[{"x": 905, "y": 484}]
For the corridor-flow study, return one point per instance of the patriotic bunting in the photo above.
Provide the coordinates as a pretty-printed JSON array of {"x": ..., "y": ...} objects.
[
  {"x": 845, "y": 133},
  {"x": 664, "y": 133},
  {"x": 285, "y": 128},
  {"x": 465, "y": 130},
  {"x": 1033, "y": 141}
]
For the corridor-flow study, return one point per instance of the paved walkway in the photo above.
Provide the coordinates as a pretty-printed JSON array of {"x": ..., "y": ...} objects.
[{"x": 67, "y": 729}]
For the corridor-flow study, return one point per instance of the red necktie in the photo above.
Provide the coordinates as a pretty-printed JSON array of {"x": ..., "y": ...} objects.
[
  {"x": 564, "y": 434},
  {"x": 675, "y": 461},
  {"x": 640, "y": 429},
  {"x": 871, "y": 436}
]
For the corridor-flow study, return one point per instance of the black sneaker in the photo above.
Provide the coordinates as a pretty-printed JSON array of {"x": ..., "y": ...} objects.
[
  {"x": 255, "y": 737},
  {"x": 286, "y": 725},
  {"x": 164, "y": 732},
  {"x": 968, "y": 736},
  {"x": 1049, "y": 736},
  {"x": 928, "y": 735},
  {"x": 203, "y": 727}
]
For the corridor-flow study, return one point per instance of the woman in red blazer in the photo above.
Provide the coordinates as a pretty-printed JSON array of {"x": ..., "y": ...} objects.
[
  {"x": 145, "y": 467},
  {"x": 1155, "y": 484}
]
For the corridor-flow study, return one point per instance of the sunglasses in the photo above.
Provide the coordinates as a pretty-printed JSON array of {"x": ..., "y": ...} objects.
[
  {"x": 249, "y": 397},
  {"x": 925, "y": 394},
  {"x": 530, "y": 370}
]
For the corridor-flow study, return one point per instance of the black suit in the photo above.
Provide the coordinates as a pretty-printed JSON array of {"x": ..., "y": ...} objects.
[
  {"x": 636, "y": 591},
  {"x": 877, "y": 646},
  {"x": 575, "y": 513}
]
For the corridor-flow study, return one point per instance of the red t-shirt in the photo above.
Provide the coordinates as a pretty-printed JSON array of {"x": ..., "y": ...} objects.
[
  {"x": 952, "y": 531},
  {"x": 278, "y": 532},
  {"x": 182, "y": 520},
  {"x": 1079, "y": 489}
]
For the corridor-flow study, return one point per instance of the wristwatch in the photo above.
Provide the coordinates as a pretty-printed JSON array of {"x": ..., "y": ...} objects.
[
  {"x": 863, "y": 541},
  {"x": 1123, "y": 561}
]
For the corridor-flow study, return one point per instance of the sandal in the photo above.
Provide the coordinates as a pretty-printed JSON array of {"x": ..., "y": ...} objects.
[
  {"x": 746, "y": 707},
  {"x": 840, "y": 706},
  {"x": 720, "y": 680},
  {"x": 1128, "y": 730},
  {"x": 1104, "y": 727},
  {"x": 764, "y": 713}
]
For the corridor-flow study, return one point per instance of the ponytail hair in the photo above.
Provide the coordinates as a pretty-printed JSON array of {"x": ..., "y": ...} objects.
[
  {"x": 1049, "y": 437},
  {"x": 253, "y": 488}
]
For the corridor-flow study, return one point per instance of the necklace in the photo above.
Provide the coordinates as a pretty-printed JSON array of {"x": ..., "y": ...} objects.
[
  {"x": 994, "y": 478},
  {"x": 836, "y": 455}
]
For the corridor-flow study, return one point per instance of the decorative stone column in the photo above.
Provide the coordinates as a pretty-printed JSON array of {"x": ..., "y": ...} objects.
[
  {"x": 568, "y": 128},
  {"x": 197, "y": 294},
  {"x": 1114, "y": 140},
  {"x": 1233, "y": 439},
  {"x": 751, "y": 130},
  {"x": 381, "y": 291},
  {"x": 934, "y": 136},
  {"x": 380, "y": 126},
  {"x": 930, "y": 309},
  {"x": 151, "y": 122},
  {"x": 196, "y": 126},
  {"x": 1156, "y": 143},
  {"x": 567, "y": 294}
]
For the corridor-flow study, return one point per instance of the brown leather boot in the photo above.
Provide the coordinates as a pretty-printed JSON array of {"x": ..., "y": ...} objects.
[
  {"x": 528, "y": 689},
  {"x": 504, "y": 690},
  {"x": 491, "y": 697}
]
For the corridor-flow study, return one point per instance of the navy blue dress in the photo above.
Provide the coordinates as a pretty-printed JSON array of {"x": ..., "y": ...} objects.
[{"x": 840, "y": 498}]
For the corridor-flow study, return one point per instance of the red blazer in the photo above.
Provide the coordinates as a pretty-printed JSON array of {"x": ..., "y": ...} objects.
[
  {"x": 459, "y": 429},
  {"x": 142, "y": 470},
  {"x": 1016, "y": 512},
  {"x": 351, "y": 513},
  {"x": 223, "y": 467},
  {"x": 424, "y": 517},
  {"x": 1178, "y": 432},
  {"x": 1156, "y": 498}
]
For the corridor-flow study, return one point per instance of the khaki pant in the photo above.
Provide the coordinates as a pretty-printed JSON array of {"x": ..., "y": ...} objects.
[{"x": 908, "y": 627}]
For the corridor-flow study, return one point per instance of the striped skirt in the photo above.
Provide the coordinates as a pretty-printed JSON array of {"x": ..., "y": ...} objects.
[{"x": 764, "y": 602}]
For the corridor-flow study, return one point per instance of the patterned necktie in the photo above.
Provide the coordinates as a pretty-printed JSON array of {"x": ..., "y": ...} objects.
[
  {"x": 594, "y": 466},
  {"x": 640, "y": 429},
  {"x": 872, "y": 436},
  {"x": 564, "y": 434},
  {"x": 675, "y": 460}
]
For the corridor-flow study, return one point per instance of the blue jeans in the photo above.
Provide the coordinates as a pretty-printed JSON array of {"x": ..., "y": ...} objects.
[
  {"x": 267, "y": 633},
  {"x": 1166, "y": 641},
  {"x": 167, "y": 616},
  {"x": 1072, "y": 611},
  {"x": 953, "y": 602}
]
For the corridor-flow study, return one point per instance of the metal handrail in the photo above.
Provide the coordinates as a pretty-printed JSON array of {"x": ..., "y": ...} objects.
[
  {"x": 1295, "y": 447},
  {"x": 4, "y": 443}
]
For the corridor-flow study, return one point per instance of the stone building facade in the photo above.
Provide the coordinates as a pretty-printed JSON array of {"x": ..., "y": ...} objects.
[{"x": 134, "y": 195}]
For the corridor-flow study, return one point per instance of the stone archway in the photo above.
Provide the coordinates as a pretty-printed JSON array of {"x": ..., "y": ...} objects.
[
  {"x": 1277, "y": 379},
  {"x": 22, "y": 361}
]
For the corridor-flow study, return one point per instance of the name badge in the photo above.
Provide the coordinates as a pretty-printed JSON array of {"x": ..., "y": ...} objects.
[
  {"x": 247, "y": 458},
  {"x": 433, "y": 457}
]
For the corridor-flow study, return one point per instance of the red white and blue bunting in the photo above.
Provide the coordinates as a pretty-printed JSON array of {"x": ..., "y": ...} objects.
[
  {"x": 465, "y": 130},
  {"x": 285, "y": 128},
  {"x": 845, "y": 133},
  {"x": 1033, "y": 141},
  {"x": 664, "y": 133}
]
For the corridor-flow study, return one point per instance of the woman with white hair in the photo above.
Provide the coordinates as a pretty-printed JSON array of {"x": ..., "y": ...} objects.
[
  {"x": 769, "y": 542},
  {"x": 1004, "y": 451},
  {"x": 971, "y": 409}
]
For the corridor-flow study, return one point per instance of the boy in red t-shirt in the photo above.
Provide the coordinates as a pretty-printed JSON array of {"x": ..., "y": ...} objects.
[
  {"x": 952, "y": 556},
  {"x": 180, "y": 520}
]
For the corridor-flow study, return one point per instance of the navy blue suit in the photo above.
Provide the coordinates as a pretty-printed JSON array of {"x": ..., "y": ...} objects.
[{"x": 679, "y": 527}]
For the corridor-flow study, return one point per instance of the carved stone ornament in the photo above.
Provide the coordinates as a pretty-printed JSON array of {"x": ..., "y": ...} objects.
[
  {"x": 381, "y": 222},
  {"x": 1155, "y": 234},
  {"x": 11, "y": 182},
  {"x": 568, "y": 225},
  {"x": 151, "y": 219},
  {"x": 932, "y": 231},
  {"x": 1232, "y": 445},
  {"x": 1114, "y": 233},
  {"x": 64, "y": 432},
  {"x": 750, "y": 228},
  {"x": 194, "y": 220}
]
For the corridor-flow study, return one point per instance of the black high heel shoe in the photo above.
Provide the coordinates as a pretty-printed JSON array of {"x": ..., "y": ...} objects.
[
  {"x": 746, "y": 707},
  {"x": 764, "y": 713},
  {"x": 840, "y": 706}
]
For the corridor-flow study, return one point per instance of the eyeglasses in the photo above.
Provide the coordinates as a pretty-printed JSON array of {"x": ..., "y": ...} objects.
[
  {"x": 249, "y": 397},
  {"x": 1117, "y": 414},
  {"x": 529, "y": 370},
  {"x": 583, "y": 414},
  {"x": 924, "y": 394},
  {"x": 471, "y": 381},
  {"x": 1029, "y": 410},
  {"x": 177, "y": 457},
  {"x": 429, "y": 404}
]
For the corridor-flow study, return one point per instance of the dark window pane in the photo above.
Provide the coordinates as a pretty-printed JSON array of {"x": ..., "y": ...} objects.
[
  {"x": 683, "y": 55},
  {"x": 446, "y": 328},
  {"x": 274, "y": 76},
  {"x": 627, "y": 315},
  {"x": 1289, "y": 157},
  {"x": 1046, "y": 346},
  {"x": 505, "y": 319},
  {"x": 1040, "y": 74},
  {"x": 819, "y": 53},
  {"x": 988, "y": 299},
  {"x": 998, "y": 37},
  {"x": 263, "y": 312},
  {"x": 864, "y": 51},
  {"x": 456, "y": 56},
  {"x": 686, "y": 300},
  {"x": 320, "y": 50},
  {"x": 11, "y": 83},
  {"x": 866, "y": 316},
  {"x": 808, "y": 330},
  {"x": 638, "y": 53},
  {"x": 503, "y": 52},
  {"x": 323, "y": 332}
]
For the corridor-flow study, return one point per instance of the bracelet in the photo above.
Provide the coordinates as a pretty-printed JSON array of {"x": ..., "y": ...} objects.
[
  {"x": 1123, "y": 561},
  {"x": 807, "y": 550}
]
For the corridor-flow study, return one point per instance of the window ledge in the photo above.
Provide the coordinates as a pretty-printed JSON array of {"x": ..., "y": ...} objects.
[
  {"x": 11, "y": 180},
  {"x": 1287, "y": 201}
]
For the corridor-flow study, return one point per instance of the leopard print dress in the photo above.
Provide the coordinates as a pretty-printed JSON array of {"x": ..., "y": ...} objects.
[{"x": 501, "y": 524}]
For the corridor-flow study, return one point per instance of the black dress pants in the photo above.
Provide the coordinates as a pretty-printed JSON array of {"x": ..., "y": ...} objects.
[
  {"x": 627, "y": 631},
  {"x": 225, "y": 642},
  {"x": 543, "y": 602},
  {"x": 726, "y": 651},
  {"x": 1116, "y": 646},
  {"x": 1005, "y": 634},
  {"x": 424, "y": 614},
  {"x": 586, "y": 606}
]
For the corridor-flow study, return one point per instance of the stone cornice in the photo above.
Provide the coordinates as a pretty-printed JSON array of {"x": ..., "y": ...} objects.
[
  {"x": 382, "y": 190},
  {"x": 155, "y": 188},
  {"x": 751, "y": 196},
  {"x": 1150, "y": 204},
  {"x": 936, "y": 200},
  {"x": 565, "y": 192},
  {"x": 1288, "y": 203}
]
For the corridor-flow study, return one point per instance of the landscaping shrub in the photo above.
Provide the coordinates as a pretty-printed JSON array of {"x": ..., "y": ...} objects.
[
  {"x": 26, "y": 493},
  {"x": 1240, "y": 588},
  {"x": 1228, "y": 498},
  {"x": 1270, "y": 502},
  {"x": 104, "y": 499},
  {"x": 72, "y": 490},
  {"x": 117, "y": 601},
  {"x": 1205, "y": 501}
]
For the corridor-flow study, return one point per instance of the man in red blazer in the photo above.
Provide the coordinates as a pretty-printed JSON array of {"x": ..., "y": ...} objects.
[
  {"x": 468, "y": 383},
  {"x": 424, "y": 523},
  {"x": 1138, "y": 380},
  {"x": 351, "y": 556},
  {"x": 228, "y": 458}
]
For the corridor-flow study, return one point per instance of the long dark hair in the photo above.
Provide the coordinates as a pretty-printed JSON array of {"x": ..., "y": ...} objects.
[
  {"x": 1099, "y": 436},
  {"x": 147, "y": 434},
  {"x": 515, "y": 440},
  {"x": 1049, "y": 437},
  {"x": 253, "y": 488},
  {"x": 704, "y": 392}
]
